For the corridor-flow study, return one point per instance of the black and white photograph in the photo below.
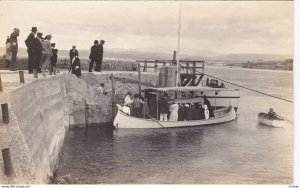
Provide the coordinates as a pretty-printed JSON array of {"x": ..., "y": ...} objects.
[{"x": 148, "y": 93}]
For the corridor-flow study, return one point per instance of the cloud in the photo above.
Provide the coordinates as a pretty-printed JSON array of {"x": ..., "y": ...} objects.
[{"x": 222, "y": 26}]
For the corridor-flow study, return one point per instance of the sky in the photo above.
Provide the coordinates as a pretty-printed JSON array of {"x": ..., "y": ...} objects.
[{"x": 217, "y": 27}]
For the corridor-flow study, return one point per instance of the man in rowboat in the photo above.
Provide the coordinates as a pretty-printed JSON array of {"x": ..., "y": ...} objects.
[{"x": 272, "y": 115}]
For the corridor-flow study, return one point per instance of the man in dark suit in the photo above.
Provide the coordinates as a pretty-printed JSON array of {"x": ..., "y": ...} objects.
[
  {"x": 30, "y": 49},
  {"x": 14, "y": 48},
  {"x": 37, "y": 53},
  {"x": 94, "y": 55},
  {"x": 100, "y": 47}
]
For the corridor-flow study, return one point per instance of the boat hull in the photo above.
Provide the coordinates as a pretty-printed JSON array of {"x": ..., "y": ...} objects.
[
  {"x": 263, "y": 119},
  {"x": 123, "y": 120}
]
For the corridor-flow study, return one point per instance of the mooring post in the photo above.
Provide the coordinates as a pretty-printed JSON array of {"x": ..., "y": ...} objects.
[
  {"x": 145, "y": 66},
  {"x": 8, "y": 169},
  {"x": 155, "y": 65},
  {"x": 113, "y": 98},
  {"x": 21, "y": 74},
  {"x": 1, "y": 87},
  {"x": 174, "y": 58},
  {"x": 139, "y": 69},
  {"x": 187, "y": 67},
  {"x": 194, "y": 73},
  {"x": 5, "y": 114}
]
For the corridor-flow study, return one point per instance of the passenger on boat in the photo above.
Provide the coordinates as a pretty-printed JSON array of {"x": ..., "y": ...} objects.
[
  {"x": 174, "y": 107},
  {"x": 198, "y": 112},
  {"x": 163, "y": 108},
  {"x": 136, "y": 106},
  {"x": 207, "y": 103},
  {"x": 206, "y": 112},
  {"x": 128, "y": 100},
  {"x": 222, "y": 85},
  {"x": 145, "y": 109},
  {"x": 189, "y": 113},
  {"x": 182, "y": 112},
  {"x": 126, "y": 109}
]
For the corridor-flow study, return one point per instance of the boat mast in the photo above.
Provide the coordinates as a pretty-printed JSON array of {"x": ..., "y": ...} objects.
[{"x": 178, "y": 44}]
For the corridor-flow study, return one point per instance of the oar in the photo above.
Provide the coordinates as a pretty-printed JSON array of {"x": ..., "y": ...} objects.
[
  {"x": 155, "y": 121},
  {"x": 285, "y": 119}
]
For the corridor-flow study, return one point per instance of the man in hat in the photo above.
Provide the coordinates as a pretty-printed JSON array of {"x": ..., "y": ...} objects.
[
  {"x": 94, "y": 55},
  {"x": 14, "y": 48},
  {"x": 30, "y": 49},
  {"x": 100, "y": 47},
  {"x": 37, "y": 53}
]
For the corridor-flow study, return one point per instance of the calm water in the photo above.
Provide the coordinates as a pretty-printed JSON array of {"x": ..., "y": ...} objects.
[{"x": 237, "y": 152}]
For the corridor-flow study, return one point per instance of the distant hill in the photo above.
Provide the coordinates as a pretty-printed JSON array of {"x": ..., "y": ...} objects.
[
  {"x": 187, "y": 54},
  {"x": 244, "y": 58}
]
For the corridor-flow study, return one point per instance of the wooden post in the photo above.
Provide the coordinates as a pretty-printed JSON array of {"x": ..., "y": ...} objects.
[
  {"x": 140, "y": 89},
  {"x": 194, "y": 73},
  {"x": 1, "y": 87},
  {"x": 187, "y": 67},
  {"x": 155, "y": 65},
  {"x": 164, "y": 64},
  {"x": 21, "y": 74},
  {"x": 5, "y": 114},
  {"x": 145, "y": 66},
  {"x": 174, "y": 58},
  {"x": 86, "y": 113},
  {"x": 113, "y": 97},
  {"x": 8, "y": 169}
]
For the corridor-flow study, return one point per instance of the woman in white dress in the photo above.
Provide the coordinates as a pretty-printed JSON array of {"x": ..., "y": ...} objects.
[
  {"x": 206, "y": 111},
  {"x": 173, "y": 108}
]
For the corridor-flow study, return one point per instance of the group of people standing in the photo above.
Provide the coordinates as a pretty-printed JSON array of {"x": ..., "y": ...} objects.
[
  {"x": 169, "y": 110},
  {"x": 42, "y": 54},
  {"x": 96, "y": 55}
]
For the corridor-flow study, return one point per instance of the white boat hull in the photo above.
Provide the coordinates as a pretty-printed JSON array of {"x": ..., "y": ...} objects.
[
  {"x": 263, "y": 119},
  {"x": 123, "y": 120}
]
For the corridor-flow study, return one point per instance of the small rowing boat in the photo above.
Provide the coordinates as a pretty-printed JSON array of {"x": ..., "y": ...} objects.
[
  {"x": 263, "y": 118},
  {"x": 122, "y": 120}
]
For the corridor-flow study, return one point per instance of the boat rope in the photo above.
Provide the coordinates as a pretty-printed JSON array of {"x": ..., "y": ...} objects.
[{"x": 260, "y": 92}]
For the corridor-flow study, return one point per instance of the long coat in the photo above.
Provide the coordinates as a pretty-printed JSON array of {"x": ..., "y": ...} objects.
[
  {"x": 76, "y": 69},
  {"x": 95, "y": 53},
  {"x": 30, "y": 42},
  {"x": 100, "y": 47},
  {"x": 37, "y": 53}
]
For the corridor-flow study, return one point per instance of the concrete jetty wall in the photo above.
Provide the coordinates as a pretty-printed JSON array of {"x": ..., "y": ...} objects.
[{"x": 41, "y": 111}]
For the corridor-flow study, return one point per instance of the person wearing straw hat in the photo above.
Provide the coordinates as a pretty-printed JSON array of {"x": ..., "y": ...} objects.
[
  {"x": 30, "y": 49},
  {"x": 46, "y": 54}
]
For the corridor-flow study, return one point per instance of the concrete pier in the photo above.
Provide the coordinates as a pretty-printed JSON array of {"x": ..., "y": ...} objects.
[{"x": 41, "y": 111}]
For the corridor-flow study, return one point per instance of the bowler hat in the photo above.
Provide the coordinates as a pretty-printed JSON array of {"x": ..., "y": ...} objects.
[
  {"x": 52, "y": 44},
  {"x": 102, "y": 40},
  {"x": 96, "y": 42},
  {"x": 34, "y": 29}
]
